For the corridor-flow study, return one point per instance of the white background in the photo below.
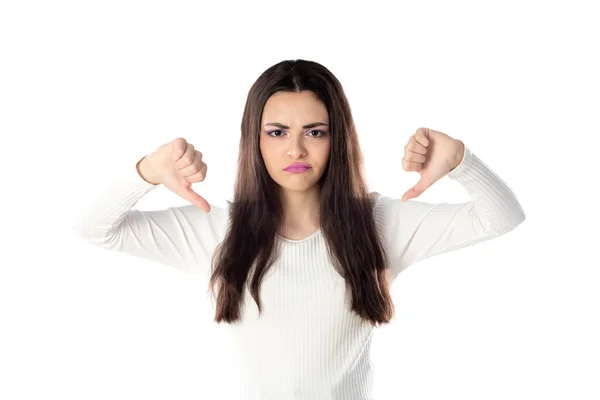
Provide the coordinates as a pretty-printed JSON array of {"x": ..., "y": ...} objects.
[{"x": 88, "y": 88}]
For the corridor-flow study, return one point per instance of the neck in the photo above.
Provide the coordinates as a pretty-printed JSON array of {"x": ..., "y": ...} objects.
[{"x": 301, "y": 208}]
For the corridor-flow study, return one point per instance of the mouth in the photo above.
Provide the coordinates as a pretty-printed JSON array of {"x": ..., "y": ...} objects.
[{"x": 297, "y": 169}]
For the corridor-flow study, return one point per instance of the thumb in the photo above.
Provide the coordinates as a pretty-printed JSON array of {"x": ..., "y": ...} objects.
[
  {"x": 417, "y": 190},
  {"x": 188, "y": 193}
]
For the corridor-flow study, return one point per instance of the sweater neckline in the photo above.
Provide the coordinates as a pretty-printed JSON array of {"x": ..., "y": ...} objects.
[{"x": 315, "y": 233}]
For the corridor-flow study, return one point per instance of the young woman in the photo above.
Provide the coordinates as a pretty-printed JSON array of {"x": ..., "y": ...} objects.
[{"x": 301, "y": 261}]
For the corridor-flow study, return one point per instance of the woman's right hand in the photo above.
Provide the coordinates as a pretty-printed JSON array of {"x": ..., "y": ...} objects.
[{"x": 176, "y": 165}]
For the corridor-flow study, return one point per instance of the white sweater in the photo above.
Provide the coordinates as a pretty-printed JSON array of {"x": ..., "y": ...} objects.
[{"x": 307, "y": 343}]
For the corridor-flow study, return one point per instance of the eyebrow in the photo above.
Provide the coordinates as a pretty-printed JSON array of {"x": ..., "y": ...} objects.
[{"x": 282, "y": 126}]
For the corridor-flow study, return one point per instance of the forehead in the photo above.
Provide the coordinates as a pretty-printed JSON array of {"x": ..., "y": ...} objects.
[{"x": 294, "y": 106}]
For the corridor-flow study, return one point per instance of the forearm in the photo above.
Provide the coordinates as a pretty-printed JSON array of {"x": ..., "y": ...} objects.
[{"x": 494, "y": 203}]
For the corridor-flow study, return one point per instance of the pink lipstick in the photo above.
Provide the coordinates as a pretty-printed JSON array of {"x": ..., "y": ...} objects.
[{"x": 297, "y": 167}]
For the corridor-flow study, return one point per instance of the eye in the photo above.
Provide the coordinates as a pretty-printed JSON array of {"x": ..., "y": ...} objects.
[
  {"x": 322, "y": 133},
  {"x": 319, "y": 131},
  {"x": 270, "y": 132}
]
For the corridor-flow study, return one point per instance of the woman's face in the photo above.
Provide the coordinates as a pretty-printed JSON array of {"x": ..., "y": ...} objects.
[{"x": 295, "y": 129}]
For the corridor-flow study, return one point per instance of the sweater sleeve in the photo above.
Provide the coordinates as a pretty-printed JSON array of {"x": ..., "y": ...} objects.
[
  {"x": 416, "y": 230},
  {"x": 182, "y": 237}
]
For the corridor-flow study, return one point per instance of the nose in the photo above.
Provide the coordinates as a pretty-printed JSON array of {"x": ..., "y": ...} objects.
[{"x": 297, "y": 148}]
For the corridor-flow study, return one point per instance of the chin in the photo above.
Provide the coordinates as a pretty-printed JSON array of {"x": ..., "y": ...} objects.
[
  {"x": 296, "y": 188},
  {"x": 289, "y": 183}
]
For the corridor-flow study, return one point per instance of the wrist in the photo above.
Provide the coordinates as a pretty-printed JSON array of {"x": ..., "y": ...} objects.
[
  {"x": 144, "y": 172},
  {"x": 460, "y": 154}
]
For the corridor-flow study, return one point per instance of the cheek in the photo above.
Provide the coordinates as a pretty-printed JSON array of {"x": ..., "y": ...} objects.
[
  {"x": 266, "y": 153},
  {"x": 263, "y": 148},
  {"x": 324, "y": 151}
]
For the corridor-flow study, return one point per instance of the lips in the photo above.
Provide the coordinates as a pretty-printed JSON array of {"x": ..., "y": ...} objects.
[{"x": 297, "y": 167}]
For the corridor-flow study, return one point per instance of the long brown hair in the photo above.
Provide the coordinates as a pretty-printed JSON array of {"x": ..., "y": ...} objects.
[{"x": 346, "y": 210}]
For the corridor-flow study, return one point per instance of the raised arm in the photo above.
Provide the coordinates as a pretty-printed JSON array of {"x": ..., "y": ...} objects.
[
  {"x": 415, "y": 230},
  {"x": 182, "y": 237}
]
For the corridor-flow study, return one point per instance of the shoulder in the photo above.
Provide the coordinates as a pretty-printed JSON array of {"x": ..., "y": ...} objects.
[{"x": 375, "y": 198}]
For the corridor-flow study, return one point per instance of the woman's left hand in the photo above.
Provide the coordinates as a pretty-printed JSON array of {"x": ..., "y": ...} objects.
[{"x": 432, "y": 154}]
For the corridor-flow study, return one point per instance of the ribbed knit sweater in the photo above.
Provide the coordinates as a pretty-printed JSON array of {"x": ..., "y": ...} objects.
[{"x": 307, "y": 344}]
